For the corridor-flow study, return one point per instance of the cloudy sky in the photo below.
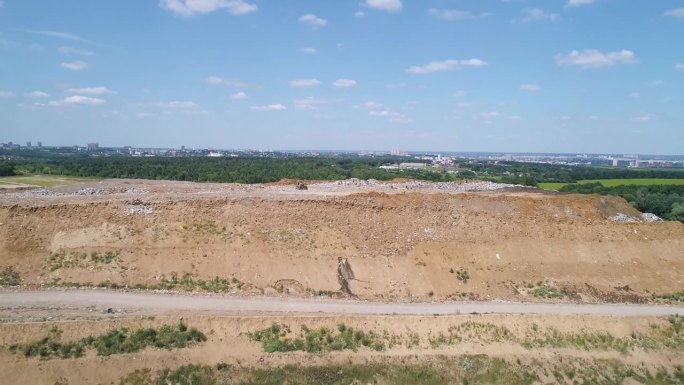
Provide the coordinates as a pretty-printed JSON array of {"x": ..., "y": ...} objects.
[{"x": 443, "y": 75}]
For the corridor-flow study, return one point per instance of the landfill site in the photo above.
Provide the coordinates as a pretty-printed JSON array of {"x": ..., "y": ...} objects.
[{"x": 416, "y": 262}]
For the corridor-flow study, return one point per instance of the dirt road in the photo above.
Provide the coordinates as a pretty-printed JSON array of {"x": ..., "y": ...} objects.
[{"x": 147, "y": 303}]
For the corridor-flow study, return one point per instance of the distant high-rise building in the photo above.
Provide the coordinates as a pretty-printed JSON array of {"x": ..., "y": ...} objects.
[
  {"x": 93, "y": 146},
  {"x": 40, "y": 144},
  {"x": 28, "y": 144}
]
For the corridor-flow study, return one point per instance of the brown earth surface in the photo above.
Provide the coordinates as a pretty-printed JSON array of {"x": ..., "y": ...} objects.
[{"x": 406, "y": 241}]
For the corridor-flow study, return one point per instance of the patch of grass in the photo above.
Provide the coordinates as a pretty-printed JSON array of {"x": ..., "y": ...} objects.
[
  {"x": 669, "y": 335},
  {"x": 617, "y": 182},
  {"x": 117, "y": 341},
  {"x": 64, "y": 260},
  {"x": 320, "y": 293},
  {"x": 279, "y": 338},
  {"x": 51, "y": 347},
  {"x": 9, "y": 277},
  {"x": 188, "y": 283},
  {"x": 462, "y": 275},
  {"x": 467, "y": 369},
  {"x": 584, "y": 341},
  {"x": 546, "y": 291},
  {"x": 471, "y": 331},
  {"x": 670, "y": 297},
  {"x": 43, "y": 180},
  {"x": 106, "y": 258}
]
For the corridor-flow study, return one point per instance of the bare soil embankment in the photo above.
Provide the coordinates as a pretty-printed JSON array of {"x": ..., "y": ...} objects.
[{"x": 410, "y": 241}]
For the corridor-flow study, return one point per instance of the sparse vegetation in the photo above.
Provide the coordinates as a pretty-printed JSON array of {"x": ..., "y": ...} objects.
[
  {"x": 467, "y": 369},
  {"x": 9, "y": 277},
  {"x": 64, "y": 260},
  {"x": 670, "y": 297},
  {"x": 462, "y": 275},
  {"x": 188, "y": 283},
  {"x": 279, "y": 338},
  {"x": 51, "y": 346},
  {"x": 546, "y": 291},
  {"x": 117, "y": 341}
]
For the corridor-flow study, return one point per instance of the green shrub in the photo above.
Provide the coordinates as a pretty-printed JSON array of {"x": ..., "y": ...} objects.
[
  {"x": 9, "y": 277},
  {"x": 279, "y": 338},
  {"x": 117, "y": 341}
]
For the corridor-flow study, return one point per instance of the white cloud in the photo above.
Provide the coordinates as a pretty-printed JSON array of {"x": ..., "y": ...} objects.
[
  {"x": 303, "y": 83},
  {"x": 450, "y": 14},
  {"x": 270, "y": 107},
  {"x": 215, "y": 80},
  {"x": 144, "y": 114},
  {"x": 308, "y": 50},
  {"x": 38, "y": 95},
  {"x": 536, "y": 14},
  {"x": 579, "y": 3},
  {"x": 446, "y": 65},
  {"x": 199, "y": 7},
  {"x": 6, "y": 94},
  {"x": 239, "y": 96},
  {"x": 66, "y": 50},
  {"x": 643, "y": 118},
  {"x": 75, "y": 65},
  {"x": 57, "y": 34},
  {"x": 634, "y": 95},
  {"x": 515, "y": 117},
  {"x": 344, "y": 83},
  {"x": 655, "y": 83},
  {"x": 591, "y": 58},
  {"x": 76, "y": 100},
  {"x": 679, "y": 66},
  {"x": 1, "y": 3},
  {"x": 178, "y": 105},
  {"x": 530, "y": 87},
  {"x": 461, "y": 93},
  {"x": 313, "y": 20},
  {"x": 678, "y": 12},
  {"x": 385, "y": 5},
  {"x": 91, "y": 91},
  {"x": 359, "y": 14},
  {"x": 308, "y": 103},
  {"x": 371, "y": 105},
  {"x": 490, "y": 115}
]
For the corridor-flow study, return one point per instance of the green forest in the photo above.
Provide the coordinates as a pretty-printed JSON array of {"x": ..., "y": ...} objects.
[
  {"x": 223, "y": 170},
  {"x": 666, "y": 201}
]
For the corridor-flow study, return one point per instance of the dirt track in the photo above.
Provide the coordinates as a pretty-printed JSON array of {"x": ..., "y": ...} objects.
[{"x": 143, "y": 303}]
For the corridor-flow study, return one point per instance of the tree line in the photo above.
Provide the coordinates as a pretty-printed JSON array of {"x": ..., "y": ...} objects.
[{"x": 666, "y": 201}]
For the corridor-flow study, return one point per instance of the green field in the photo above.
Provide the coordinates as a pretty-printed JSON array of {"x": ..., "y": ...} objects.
[
  {"x": 40, "y": 181},
  {"x": 618, "y": 182}
]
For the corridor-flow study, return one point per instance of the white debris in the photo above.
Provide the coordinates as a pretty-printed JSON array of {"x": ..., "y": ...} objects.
[
  {"x": 139, "y": 210},
  {"x": 620, "y": 217},
  {"x": 649, "y": 217}
]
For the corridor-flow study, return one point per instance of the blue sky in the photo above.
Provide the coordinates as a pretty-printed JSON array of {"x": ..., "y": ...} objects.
[{"x": 444, "y": 75}]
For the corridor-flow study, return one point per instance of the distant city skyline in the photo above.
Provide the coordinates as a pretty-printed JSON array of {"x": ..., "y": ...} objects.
[{"x": 523, "y": 76}]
